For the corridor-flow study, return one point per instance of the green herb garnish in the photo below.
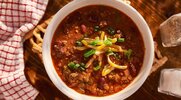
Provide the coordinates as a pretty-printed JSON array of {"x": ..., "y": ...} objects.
[
  {"x": 82, "y": 68},
  {"x": 89, "y": 53},
  {"x": 128, "y": 53},
  {"x": 111, "y": 31},
  {"x": 73, "y": 65},
  {"x": 96, "y": 68},
  {"x": 96, "y": 28},
  {"x": 109, "y": 52},
  {"x": 82, "y": 64},
  {"x": 78, "y": 43},
  {"x": 77, "y": 65},
  {"x": 107, "y": 42},
  {"x": 120, "y": 39},
  {"x": 95, "y": 42}
]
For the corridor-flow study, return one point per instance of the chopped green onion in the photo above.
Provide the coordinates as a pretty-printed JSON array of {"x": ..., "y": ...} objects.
[
  {"x": 89, "y": 53},
  {"x": 82, "y": 68},
  {"x": 77, "y": 65},
  {"x": 107, "y": 42},
  {"x": 111, "y": 31},
  {"x": 109, "y": 52},
  {"x": 73, "y": 65},
  {"x": 114, "y": 40},
  {"x": 121, "y": 40},
  {"x": 82, "y": 64},
  {"x": 128, "y": 53},
  {"x": 96, "y": 68},
  {"x": 78, "y": 43},
  {"x": 95, "y": 42},
  {"x": 96, "y": 28}
]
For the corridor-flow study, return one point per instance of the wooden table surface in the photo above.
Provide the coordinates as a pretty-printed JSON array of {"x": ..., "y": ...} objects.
[{"x": 154, "y": 12}]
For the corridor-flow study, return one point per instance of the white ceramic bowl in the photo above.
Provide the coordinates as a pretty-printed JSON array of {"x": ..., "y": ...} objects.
[{"x": 126, "y": 9}]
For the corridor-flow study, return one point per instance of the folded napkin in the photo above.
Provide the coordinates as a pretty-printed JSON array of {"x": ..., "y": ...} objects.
[{"x": 17, "y": 17}]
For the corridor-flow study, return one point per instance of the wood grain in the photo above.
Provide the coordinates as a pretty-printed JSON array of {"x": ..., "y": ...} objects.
[{"x": 154, "y": 12}]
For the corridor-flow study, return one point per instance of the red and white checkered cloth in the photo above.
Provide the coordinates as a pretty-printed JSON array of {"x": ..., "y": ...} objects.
[{"x": 17, "y": 17}]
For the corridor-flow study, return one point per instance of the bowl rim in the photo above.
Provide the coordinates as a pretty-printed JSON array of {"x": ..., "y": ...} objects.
[{"x": 138, "y": 81}]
